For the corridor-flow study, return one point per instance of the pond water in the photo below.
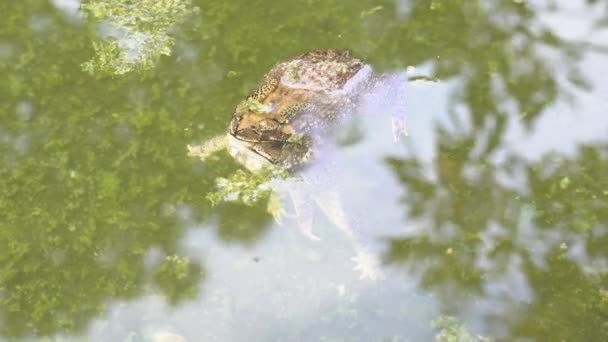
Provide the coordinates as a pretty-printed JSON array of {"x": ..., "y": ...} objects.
[{"x": 489, "y": 220}]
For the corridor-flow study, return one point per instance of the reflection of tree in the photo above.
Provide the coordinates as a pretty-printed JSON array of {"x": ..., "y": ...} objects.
[
  {"x": 459, "y": 209},
  {"x": 603, "y": 22},
  {"x": 499, "y": 51},
  {"x": 570, "y": 304},
  {"x": 479, "y": 229},
  {"x": 245, "y": 228}
]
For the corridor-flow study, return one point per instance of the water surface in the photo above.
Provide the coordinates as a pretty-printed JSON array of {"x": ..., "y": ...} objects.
[{"x": 492, "y": 211}]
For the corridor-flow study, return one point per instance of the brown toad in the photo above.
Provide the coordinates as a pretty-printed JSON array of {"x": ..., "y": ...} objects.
[{"x": 276, "y": 124}]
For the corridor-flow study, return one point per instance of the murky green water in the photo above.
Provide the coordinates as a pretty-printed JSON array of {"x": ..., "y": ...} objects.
[{"x": 494, "y": 210}]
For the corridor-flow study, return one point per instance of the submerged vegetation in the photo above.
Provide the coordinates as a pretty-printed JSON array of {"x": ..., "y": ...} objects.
[{"x": 135, "y": 33}]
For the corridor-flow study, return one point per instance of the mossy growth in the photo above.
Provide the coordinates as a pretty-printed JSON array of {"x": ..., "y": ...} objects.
[
  {"x": 134, "y": 33},
  {"x": 245, "y": 187}
]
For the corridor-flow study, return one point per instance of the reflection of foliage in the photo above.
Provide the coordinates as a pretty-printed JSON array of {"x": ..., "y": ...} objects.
[
  {"x": 578, "y": 199},
  {"x": 473, "y": 217},
  {"x": 242, "y": 223},
  {"x": 598, "y": 3},
  {"x": 570, "y": 304},
  {"x": 499, "y": 50},
  {"x": 452, "y": 201},
  {"x": 478, "y": 229},
  {"x": 139, "y": 33},
  {"x": 178, "y": 278},
  {"x": 444, "y": 262},
  {"x": 247, "y": 193},
  {"x": 454, "y": 331}
]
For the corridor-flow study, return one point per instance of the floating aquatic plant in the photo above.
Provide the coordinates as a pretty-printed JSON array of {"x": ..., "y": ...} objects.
[
  {"x": 134, "y": 33},
  {"x": 244, "y": 187}
]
